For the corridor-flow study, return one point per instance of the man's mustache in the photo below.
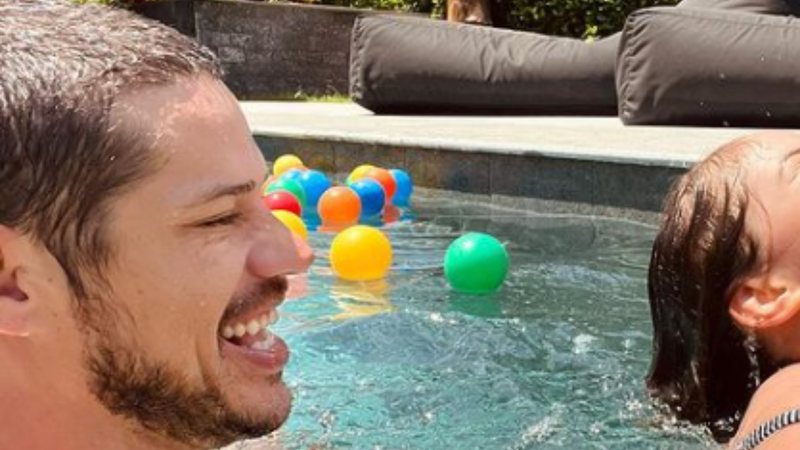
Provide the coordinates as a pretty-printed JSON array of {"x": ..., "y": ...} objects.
[{"x": 273, "y": 289}]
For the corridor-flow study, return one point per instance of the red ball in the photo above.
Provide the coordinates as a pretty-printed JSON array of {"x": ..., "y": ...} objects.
[
  {"x": 391, "y": 214},
  {"x": 283, "y": 201}
]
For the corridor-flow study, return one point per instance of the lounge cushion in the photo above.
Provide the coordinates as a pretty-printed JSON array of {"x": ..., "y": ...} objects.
[
  {"x": 777, "y": 7},
  {"x": 419, "y": 66},
  {"x": 702, "y": 67},
  {"x": 411, "y": 65}
]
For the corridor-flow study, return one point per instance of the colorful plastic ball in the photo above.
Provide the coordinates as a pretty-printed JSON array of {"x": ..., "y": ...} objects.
[
  {"x": 372, "y": 196},
  {"x": 292, "y": 174},
  {"x": 405, "y": 187},
  {"x": 391, "y": 214},
  {"x": 270, "y": 179},
  {"x": 476, "y": 263},
  {"x": 284, "y": 163},
  {"x": 314, "y": 183},
  {"x": 292, "y": 222},
  {"x": 283, "y": 201},
  {"x": 311, "y": 219},
  {"x": 361, "y": 253},
  {"x": 288, "y": 185},
  {"x": 385, "y": 178},
  {"x": 359, "y": 172},
  {"x": 339, "y": 206}
]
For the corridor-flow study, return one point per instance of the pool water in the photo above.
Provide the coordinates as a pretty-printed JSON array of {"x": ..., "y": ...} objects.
[{"x": 555, "y": 359}]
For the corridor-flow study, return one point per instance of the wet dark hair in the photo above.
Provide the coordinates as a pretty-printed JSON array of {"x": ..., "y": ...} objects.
[
  {"x": 62, "y": 157},
  {"x": 703, "y": 369}
]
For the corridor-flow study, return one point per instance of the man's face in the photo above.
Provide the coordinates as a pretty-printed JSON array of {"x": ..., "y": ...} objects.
[{"x": 196, "y": 262}]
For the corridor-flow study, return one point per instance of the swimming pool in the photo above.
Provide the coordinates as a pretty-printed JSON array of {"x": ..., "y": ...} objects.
[{"x": 556, "y": 359}]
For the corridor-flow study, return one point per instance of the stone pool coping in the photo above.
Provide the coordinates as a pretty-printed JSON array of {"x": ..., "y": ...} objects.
[{"x": 587, "y": 165}]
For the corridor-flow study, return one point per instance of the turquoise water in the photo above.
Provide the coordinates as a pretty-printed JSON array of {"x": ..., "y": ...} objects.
[{"x": 556, "y": 359}]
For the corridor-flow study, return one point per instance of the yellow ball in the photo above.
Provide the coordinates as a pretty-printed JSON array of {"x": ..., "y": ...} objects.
[
  {"x": 361, "y": 253},
  {"x": 292, "y": 222},
  {"x": 284, "y": 163},
  {"x": 359, "y": 173}
]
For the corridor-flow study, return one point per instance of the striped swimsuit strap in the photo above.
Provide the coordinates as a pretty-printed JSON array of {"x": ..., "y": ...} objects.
[{"x": 767, "y": 429}]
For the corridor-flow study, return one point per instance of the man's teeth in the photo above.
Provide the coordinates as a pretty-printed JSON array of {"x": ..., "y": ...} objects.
[
  {"x": 264, "y": 344},
  {"x": 252, "y": 328}
]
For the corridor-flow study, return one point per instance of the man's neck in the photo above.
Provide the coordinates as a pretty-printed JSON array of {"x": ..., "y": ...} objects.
[{"x": 34, "y": 421}]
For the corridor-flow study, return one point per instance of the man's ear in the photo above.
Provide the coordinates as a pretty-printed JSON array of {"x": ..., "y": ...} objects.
[
  {"x": 764, "y": 302},
  {"x": 14, "y": 306}
]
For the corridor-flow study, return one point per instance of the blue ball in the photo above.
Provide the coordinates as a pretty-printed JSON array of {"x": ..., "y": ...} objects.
[
  {"x": 404, "y": 187},
  {"x": 315, "y": 183},
  {"x": 292, "y": 174},
  {"x": 372, "y": 196}
]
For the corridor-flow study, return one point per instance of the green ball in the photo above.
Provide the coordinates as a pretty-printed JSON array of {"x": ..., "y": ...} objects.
[
  {"x": 476, "y": 263},
  {"x": 292, "y": 186}
]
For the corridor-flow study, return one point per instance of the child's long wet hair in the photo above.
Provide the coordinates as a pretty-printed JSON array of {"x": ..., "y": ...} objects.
[{"x": 703, "y": 368}]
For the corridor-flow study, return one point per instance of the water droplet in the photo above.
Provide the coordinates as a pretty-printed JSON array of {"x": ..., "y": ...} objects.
[
  {"x": 327, "y": 419},
  {"x": 725, "y": 123},
  {"x": 721, "y": 76},
  {"x": 767, "y": 113},
  {"x": 582, "y": 343},
  {"x": 634, "y": 405}
]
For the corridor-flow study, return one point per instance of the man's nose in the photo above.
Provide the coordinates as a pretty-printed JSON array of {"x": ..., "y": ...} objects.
[
  {"x": 278, "y": 251},
  {"x": 304, "y": 251}
]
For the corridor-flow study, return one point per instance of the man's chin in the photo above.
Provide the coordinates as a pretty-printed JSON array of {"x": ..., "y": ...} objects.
[
  {"x": 268, "y": 404},
  {"x": 163, "y": 402}
]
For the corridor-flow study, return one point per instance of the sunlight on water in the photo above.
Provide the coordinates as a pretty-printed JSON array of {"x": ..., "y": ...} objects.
[{"x": 556, "y": 359}]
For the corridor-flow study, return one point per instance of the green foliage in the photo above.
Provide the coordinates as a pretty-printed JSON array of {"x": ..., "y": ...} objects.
[
  {"x": 425, "y": 6},
  {"x": 300, "y": 96},
  {"x": 577, "y": 18},
  {"x": 586, "y": 19}
]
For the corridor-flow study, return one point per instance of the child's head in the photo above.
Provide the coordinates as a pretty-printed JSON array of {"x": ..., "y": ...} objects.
[{"x": 724, "y": 281}]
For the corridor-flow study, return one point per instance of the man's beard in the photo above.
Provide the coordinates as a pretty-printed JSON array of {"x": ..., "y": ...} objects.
[{"x": 159, "y": 398}]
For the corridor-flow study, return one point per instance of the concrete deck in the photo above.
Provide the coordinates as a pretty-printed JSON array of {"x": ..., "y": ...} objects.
[
  {"x": 584, "y": 164},
  {"x": 583, "y": 138}
]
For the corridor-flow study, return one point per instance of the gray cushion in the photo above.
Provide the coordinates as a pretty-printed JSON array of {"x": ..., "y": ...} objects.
[
  {"x": 778, "y": 7},
  {"x": 408, "y": 65},
  {"x": 704, "y": 67},
  {"x": 401, "y": 64}
]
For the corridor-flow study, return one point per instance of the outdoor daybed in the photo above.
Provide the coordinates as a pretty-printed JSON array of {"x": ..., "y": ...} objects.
[{"x": 720, "y": 62}]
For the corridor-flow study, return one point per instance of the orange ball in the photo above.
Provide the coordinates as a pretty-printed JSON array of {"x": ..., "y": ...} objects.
[
  {"x": 339, "y": 206},
  {"x": 386, "y": 180}
]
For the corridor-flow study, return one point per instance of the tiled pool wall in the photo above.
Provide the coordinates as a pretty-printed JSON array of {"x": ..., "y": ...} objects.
[{"x": 530, "y": 182}]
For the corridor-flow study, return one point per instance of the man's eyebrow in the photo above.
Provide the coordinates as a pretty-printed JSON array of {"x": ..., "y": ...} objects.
[{"x": 224, "y": 191}]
